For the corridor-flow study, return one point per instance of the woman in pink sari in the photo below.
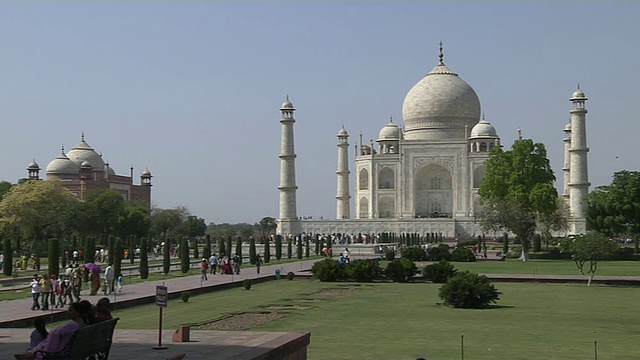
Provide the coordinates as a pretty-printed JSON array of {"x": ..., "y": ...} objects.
[{"x": 79, "y": 313}]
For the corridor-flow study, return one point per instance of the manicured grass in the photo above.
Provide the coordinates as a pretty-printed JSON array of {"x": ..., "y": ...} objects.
[
  {"x": 549, "y": 267},
  {"x": 403, "y": 321}
]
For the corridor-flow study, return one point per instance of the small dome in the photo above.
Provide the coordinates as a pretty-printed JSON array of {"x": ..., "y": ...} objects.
[
  {"x": 62, "y": 166},
  {"x": 483, "y": 129},
  {"x": 568, "y": 127},
  {"x": 146, "y": 173},
  {"x": 287, "y": 104},
  {"x": 33, "y": 166},
  {"x": 85, "y": 165},
  {"x": 343, "y": 133},
  {"x": 390, "y": 131},
  {"x": 83, "y": 152},
  {"x": 578, "y": 95}
]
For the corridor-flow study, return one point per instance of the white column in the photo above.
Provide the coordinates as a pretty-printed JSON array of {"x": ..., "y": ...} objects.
[
  {"x": 342, "y": 196},
  {"x": 567, "y": 161},
  {"x": 578, "y": 175},
  {"x": 288, "y": 218}
]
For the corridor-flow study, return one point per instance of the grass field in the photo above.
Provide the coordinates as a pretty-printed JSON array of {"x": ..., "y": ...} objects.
[
  {"x": 549, "y": 267},
  {"x": 403, "y": 321}
]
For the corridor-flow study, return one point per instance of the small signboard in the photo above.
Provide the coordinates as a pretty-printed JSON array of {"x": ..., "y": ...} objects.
[{"x": 162, "y": 296}]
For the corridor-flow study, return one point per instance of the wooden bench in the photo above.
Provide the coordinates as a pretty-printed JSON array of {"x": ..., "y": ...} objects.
[{"x": 90, "y": 342}]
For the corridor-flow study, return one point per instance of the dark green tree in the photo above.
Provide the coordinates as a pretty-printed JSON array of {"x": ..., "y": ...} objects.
[
  {"x": 7, "y": 265},
  {"x": 517, "y": 188},
  {"x": 144, "y": 259},
  {"x": 289, "y": 248},
  {"x": 206, "y": 252},
  {"x": 109, "y": 205},
  {"x": 278, "y": 243},
  {"x": 306, "y": 251},
  {"x": 185, "y": 261},
  {"x": 166, "y": 260},
  {"x": 117, "y": 256},
  {"x": 614, "y": 210},
  {"x": 267, "y": 225},
  {"x": 588, "y": 249},
  {"x": 252, "y": 251},
  {"x": 227, "y": 250},
  {"x": 111, "y": 248},
  {"x": 196, "y": 253},
  {"x": 54, "y": 257},
  {"x": 299, "y": 248},
  {"x": 221, "y": 247},
  {"x": 267, "y": 251},
  {"x": 239, "y": 248},
  {"x": 132, "y": 248}
]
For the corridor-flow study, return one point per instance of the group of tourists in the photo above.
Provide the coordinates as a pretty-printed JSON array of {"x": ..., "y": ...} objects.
[
  {"x": 81, "y": 313},
  {"x": 225, "y": 265}
]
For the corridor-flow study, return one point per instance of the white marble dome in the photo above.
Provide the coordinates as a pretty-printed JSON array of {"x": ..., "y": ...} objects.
[
  {"x": 390, "y": 131},
  {"x": 483, "y": 129},
  {"x": 83, "y": 152},
  {"x": 578, "y": 95},
  {"x": 343, "y": 133},
  {"x": 287, "y": 104},
  {"x": 439, "y": 106},
  {"x": 62, "y": 167}
]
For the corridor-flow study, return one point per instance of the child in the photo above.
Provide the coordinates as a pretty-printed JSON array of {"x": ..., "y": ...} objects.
[
  {"x": 119, "y": 281},
  {"x": 39, "y": 333},
  {"x": 103, "y": 310}
]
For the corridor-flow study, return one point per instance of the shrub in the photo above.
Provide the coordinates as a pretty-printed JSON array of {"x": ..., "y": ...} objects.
[
  {"x": 7, "y": 266},
  {"x": 246, "y": 284},
  {"x": 389, "y": 255},
  {"x": 185, "y": 295},
  {"x": 468, "y": 290},
  {"x": 328, "y": 270},
  {"x": 438, "y": 253},
  {"x": 290, "y": 275},
  {"x": 401, "y": 270},
  {"x": 414, "y": 253},
  {"x": 363, "y": 270},
  {"x": 438, "y": 272},
  {"x": 144, "y": 259},
  {"x": 462, "y": 254}
]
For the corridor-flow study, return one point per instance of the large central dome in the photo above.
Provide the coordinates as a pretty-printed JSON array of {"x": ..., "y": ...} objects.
[{"x": 439, "y": 106}]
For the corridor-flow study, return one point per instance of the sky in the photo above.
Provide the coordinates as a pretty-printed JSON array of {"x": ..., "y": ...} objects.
[{"x": 192, "y": 90}]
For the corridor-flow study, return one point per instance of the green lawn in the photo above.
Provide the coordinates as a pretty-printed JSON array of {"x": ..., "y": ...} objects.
[
  {"x": 549, "y": 267},
  {"x": 402, "y": 321}
]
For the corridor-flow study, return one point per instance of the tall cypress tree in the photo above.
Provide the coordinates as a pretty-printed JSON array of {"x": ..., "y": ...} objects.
[
  {"x": 252, "y": 251},
  {"x": 132, "y": 247},
  {"x": 54, "y": 257},
  {"x": 144, "y": 259},
  {"x": 221, "y": 247},
  {"x": 317, "y": 241},
  {"x": 196, "y": 252},
  {"x": 112, "y": 248},
  {"x": 117, "y": 256},
  {"x": 185, "y": 261},
  {"x": 267, "y": 251},
  {"x": 86, "y": 246},
  {"x": 166, "y": 260},
  {"x": 289, "y": 248},
  {"x": 206, "y": 252},
  {"x": 239, "y": 248},
  {"x": 299, "y": 248},
  {"x": 228, "y": 249},
  {"x": 278, "y": 247},
  {"x": 7, "y": 265},
  {"x": 306, "y": 250}
]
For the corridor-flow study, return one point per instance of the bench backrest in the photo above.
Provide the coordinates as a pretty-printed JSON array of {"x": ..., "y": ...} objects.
[{"x": 92, "y": 339}]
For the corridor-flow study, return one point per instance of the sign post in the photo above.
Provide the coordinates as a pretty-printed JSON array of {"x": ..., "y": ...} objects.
[{"x": 162, "y": 297}]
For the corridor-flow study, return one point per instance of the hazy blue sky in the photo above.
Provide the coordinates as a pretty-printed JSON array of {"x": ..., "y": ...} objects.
[{"x": 193, "y": 90}]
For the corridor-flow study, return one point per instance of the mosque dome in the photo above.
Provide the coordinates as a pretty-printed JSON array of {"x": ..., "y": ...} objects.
[
  {"x": 287, "y": 104},
  {"x": 343, "y": 133},
  {"x": 83, "y": 152},
  {"x": 567, "y": 127},
  {"x": 33, "y": 166},
  {"x": 146, "y": 173},
  {"x": 62, "y": 167},
  {"x": 483, "y": 129},
  {"x": 390, "y": 131},
  {"x": 578, "y": 95},
  {"x": 85, "y": 165},
  {"x": 439, "y": 106}
]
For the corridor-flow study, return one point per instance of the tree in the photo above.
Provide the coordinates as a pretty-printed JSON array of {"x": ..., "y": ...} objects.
[
  {"x": 206, "y": 252},
  {"x": 299, "y": 248},
  {"x": 588, "y": 248},
  {"x": 5, "y": 186},
  {"x": 239, "y": 248},
  {"x": 166, "y": 260},
  {"x": 144, "y": 259},
  {"x": 133, "y": 220},
  {"x": 306, "y": 249},
  {"x": 117, "y": 257},
  {"x": 555, "y": 221},
  {"x": 196, "y": 254},
  {"x": 278, "y": 243},
  {"x": 289, "y": 248},
  {"x": 34, "y": 208},
  {"x": 267, "y": 225},
  {"x": 54, "y": 257},
  {"x": 185, "y": 261},
  {"x": 7, "y": 265},
  {"x": 165, "y": 221},
  {"x": 109, "y": 205},
  {"x": 252, "y": 251},
  {"x": 614, "y": 210},
  {"x": 517, "y": 188},
  {"x": 80, "y": 219},
  {"x": 228, "y": 248},
  {"x": 192, "y": 226},
  {"x": 468, "y": 290},
  {"x": 267, "y": 251}
]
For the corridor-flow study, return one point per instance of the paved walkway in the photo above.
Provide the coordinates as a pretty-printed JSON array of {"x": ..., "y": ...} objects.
[{"x": 14, "y": 311}]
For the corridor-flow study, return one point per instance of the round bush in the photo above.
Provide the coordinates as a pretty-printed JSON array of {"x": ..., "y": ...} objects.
[
  {"x": 414, "y": 253},
  {"x": 438, "y": 272},
  {"x": 363, "y": 270},
  {"x": 401, "y": 270},
  {"x": 185, "y": 295},
  {"x": 462, "y": 254},
  {"x": 328, "y": 270},
  {"x": 246, "y": 284},
  {"x": 389, "y": 255},
  {"x": 440, "y": 252},
  {"x": 290, "y": 275},
  {"x": 468, "y": 290}
]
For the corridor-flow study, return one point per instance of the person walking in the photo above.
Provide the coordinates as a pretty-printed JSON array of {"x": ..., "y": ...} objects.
[
  {"x": 119, "y": 280},
  {"x": 213, "y": 263},
  {"x": 35, "y": 292},
  {"x": 203, "y": 269},
  {"x": 45, "y": 290},
  {"x": 109, "y": 276},
  {"x": 258, "y": 263}
]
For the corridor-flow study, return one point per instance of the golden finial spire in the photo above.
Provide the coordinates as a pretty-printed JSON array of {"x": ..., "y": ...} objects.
[{"x": 441, "y": 56}]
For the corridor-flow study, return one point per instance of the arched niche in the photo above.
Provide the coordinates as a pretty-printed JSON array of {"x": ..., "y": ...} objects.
[
  {"x": 363, "y": 179},
  {"x": 433, "y": 191},
  {"x": 386, "y": 179},
  {"x": 386, "y": 207},
  {"x": 478, "y": 175},
  {"x": 483, "y": 147},
  {"x": 364, "y": 208}
]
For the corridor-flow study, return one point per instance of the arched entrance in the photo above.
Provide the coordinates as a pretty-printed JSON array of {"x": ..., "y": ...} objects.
[{"x": 433, "y": 192}]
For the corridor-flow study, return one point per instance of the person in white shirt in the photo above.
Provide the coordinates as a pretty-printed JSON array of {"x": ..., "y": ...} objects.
[{"x": 35, "y": 292}]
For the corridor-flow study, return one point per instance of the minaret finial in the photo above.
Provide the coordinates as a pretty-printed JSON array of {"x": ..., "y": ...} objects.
[
  {"x": 390, "y": 118},
  {"x": 578, "y": 86},
  {"x": 519, "y": 134},
  {"x": 63, "y": 148},
  {"x": 441, "y": 56},
  {"x": 82, "y": 136},
  {"x": 482, "y": 116},
  {"x": 287, "y": 97}
]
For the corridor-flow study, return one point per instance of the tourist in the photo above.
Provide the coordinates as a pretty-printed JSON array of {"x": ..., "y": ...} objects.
[
  {"x": 35, "y": 292},
  {"x": 258, "y": 263},
  {"x": 203, "y": 269},
  {"x": 94, "y": 281},
  {"x": 103, "y": 310},
  {"x": 59, "y": 289},
  {"x": 213, "y": 262},
  {"x": 76, "y": 282},
  {"x": 227, "y": 266},
  {"x": 79, "y": 313},
  {"x": 236, "y": 264},
  {"x": 1, "y": 260},
  {"x": 347, "y": 259},
  {"x": 38, "y": 334},
  {"x": 109, "y": 277},
  {"x": 45, "y": 292},
  {"x": 119, "y": 280}
]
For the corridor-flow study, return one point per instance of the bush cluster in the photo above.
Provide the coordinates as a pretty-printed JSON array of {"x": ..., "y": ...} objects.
[
  {"x": 462, "y": 254},
  {"x": 438, "y": 272},
  {"x": 468, "y": 290},
  {"x": 363, "y": 270},
  {"x": 414, "y": 253},
  {"x": 389, "y": 255},
  {"x": 401, "y": 270},
  {"x": 438, "y": 253},
  {"x": 328, "y": 270}
]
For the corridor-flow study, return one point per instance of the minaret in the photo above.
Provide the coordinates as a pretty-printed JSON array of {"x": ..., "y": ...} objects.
[
  {"x": 342, "y": 196},
  {"x": 578, "y": 174},
  {"x": 567, "y": 161},
  {"x": 288, "y": 222}
]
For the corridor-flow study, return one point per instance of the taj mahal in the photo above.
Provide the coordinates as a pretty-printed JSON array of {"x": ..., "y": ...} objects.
[{"x": 423, "y": 176}]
